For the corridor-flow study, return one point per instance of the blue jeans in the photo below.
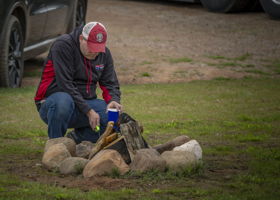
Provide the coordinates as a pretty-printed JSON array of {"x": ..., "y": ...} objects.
[{"x": 59, "y": 112}]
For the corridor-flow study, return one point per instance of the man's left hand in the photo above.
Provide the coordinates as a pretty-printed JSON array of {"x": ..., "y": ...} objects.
[{"x": 114, "y": 104}]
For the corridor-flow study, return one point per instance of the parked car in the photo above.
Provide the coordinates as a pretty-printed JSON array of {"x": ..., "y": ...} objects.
[{"x": 28, "y": 27}]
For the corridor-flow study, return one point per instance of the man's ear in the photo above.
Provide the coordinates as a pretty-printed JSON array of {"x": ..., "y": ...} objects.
[{"x": 81, "y": 37}]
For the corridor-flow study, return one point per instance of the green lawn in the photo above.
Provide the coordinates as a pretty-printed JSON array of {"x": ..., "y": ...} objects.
[{"x": 237, "y": 123}]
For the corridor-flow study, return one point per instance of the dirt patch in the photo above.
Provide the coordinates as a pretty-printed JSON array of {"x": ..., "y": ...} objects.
[
  {"x": 85, "y": 184},
  {"x": 145, "y": 35},
  {"x": 29, "y": 168}
]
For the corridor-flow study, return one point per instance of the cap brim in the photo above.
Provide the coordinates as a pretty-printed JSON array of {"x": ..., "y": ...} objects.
[{"x": 96, "y": 47}]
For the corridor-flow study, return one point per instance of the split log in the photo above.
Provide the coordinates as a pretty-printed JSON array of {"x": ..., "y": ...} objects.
[
  {"x": 101, "y": 142},
  {"x": 168, "y": 146},
  {"x": 120, "y": 146},
  {"x": 107, "y": 132},
  {"x": 133, "y": 138}
]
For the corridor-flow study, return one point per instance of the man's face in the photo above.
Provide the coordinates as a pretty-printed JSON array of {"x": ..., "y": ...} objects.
[{"x": 85, "y": 51}]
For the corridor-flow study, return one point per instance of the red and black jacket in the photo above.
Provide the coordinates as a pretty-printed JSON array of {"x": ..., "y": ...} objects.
[{"x": 67, "y": 70}]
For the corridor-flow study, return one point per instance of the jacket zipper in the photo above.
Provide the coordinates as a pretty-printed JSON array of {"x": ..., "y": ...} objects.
[{"x": 89, "y": 75}]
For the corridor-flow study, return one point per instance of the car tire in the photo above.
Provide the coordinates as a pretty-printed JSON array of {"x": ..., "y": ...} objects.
[
  {"x": 225, "y": 6},
  {"x": 272, "y": 8},
  {"x": 11, "y": 54},
  {"x": 254, "y": 6},
  {"x": 79, "y": 15}
]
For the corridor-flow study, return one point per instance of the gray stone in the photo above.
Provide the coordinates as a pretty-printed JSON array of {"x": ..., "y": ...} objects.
[
  {"x": 168, "y": 146},
  {"x": 147, "y": 159},
  {"x": 105, "y": 162},
  {"x": 54, "y": 156},
  {"x": 177, "y": 160},
  {"x": 191, "y": 146},
  {"x": 83, "y": 149},
  {"x": 69, "y": 143},
  {"x": 73, "y": 165}
]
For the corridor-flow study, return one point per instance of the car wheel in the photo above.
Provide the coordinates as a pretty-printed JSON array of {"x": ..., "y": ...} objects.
[
  {"x": 225, "y": 6},
  {"x": 79, "y": 16},
  {"x": 272, "y": 8},
  {"x": 11, "y": 54},
  {"x": 80, "y": 13}
]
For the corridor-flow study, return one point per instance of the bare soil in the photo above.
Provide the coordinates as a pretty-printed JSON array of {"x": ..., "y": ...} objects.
[
  {"x": 31, "y": 169},
  {"x": 145, "y": 35}
]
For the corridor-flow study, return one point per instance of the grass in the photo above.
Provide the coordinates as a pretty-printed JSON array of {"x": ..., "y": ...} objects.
[
  {"x": 33, "y": 73},
  {"x": 230, "y": 64},
  {"x": 18, "y": 189},
  {"x": 242, "y": 64},
  {"x": 146, "y": 63},
  {"x": 277, "y": 71},
  {"x": 180, "y": 60},
  {"x": 217, "y": 57},
  {"x": 146, "y": 74},
  {"x": 243, "y": 57},
  {"x": 222, "y": 79},
  {"x": 235, "y": 121},
  {"x": 273, "y": 64},
  {"x": 256, "y": 71},
  {"x": 248, "y": 65}
]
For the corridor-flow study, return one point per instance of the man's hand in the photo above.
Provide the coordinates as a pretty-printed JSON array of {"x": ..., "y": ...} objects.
[
  {"x": 94, "y": 119},
  {"x": 114, "y": 104}
]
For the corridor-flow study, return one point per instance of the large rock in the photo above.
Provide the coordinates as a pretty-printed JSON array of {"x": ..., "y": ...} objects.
[
  {"x": 147, "y": 159},
  {"x": 83, "y": 149},
  {"x": 69, "y": 143},
  {"x": 191, "y": 146},
  {"x": 178, "y": 160},
  {"x": 54, "y": 156},
  {"x": 104, "y": 162},
  {"x": 168, "y": 146},
  {"x": 73, "y": 165}
]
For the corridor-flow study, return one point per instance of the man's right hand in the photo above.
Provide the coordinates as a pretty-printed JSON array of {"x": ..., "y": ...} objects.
[{"x": 94, "y": 119}]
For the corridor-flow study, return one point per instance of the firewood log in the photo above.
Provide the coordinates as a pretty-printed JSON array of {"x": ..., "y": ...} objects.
[{"x": 101, "y": 142}]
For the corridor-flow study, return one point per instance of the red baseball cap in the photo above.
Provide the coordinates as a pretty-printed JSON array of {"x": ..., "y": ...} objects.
[{"x": 96, "y": 36}]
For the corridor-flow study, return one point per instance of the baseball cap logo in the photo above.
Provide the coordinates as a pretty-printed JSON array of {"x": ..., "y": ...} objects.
[{"x": 99, "y": 37}]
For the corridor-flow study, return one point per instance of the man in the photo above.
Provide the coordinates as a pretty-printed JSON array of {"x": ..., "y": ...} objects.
[{"x": 66, "y": 96}]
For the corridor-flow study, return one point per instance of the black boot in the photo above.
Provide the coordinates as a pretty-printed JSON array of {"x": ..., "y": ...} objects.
[{"x": 72, "y": 135}]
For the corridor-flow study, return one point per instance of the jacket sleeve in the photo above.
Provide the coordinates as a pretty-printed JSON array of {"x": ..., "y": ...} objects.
[
  {"x": 108, "y": 82},
  {"x": 63, "y": 61}
]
